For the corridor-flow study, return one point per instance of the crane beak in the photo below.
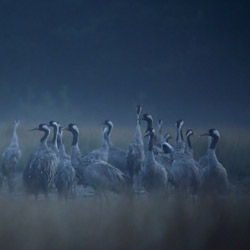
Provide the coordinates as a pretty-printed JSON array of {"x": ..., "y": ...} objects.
[
  {"x": 33, "y": 129},
  {"x": 205, "y": 134}
]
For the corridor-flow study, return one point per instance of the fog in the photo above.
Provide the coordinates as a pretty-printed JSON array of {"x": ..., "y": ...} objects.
[{"x": 86, "y": 61}]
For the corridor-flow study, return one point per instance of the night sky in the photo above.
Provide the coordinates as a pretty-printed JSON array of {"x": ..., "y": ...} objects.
[{"x": 90, "y": 60}]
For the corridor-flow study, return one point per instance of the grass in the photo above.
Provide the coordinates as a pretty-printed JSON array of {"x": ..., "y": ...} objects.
[{"x": 173, "y": 223}]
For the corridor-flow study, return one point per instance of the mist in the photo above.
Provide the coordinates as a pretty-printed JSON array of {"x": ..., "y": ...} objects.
[{"x": 86, "y": 61}]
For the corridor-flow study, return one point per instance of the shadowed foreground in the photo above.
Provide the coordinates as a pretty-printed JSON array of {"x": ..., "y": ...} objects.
[{"x": 222, "y": 223}]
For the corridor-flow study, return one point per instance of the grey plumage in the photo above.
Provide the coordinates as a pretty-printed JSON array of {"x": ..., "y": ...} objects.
[
  {"x": 65, "y": 175},
  {"x": 153, "y": 175},
  {"x": 185, "y": 173},
  {"x": 101, "y": 153},
  {"x": 117, "y": 156},
  {"x": 96, "y": 173},
  {"x": 41, "y": 168},
  {"x": 135, "y": 152},
  {"x": 214, "y": 175},
  {"x": 11, "y": 157},
  {"x": 203, "y": 161}
]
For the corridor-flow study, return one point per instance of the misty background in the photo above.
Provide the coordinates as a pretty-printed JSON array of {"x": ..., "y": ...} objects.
[{"x": 86, "y": 61}]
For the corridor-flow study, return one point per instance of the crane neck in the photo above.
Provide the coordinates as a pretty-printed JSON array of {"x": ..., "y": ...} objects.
[
  {"x": 149, "y": 124},
  {"x": 43, "y": 141},
  {"x": 59, "y": 140},
  {"x": 212, "y": 142},
  {"x": 55, "y": 135},
  {"x": 75, "y": 138},
  {"x": 189, "y": 142},
  {"x": 151, "y": 143},
  {"x": 105, "y": 139},
  {"x": 150, "y": 158},
  {"x": 14, "y": 140},
  {"x": 61, "y": 145},
  {"x": 179, "y": 137},
  {"x": 109, "y": 140},
  {"x": 108, "y": 135},
  {"x": 212, "y": 157}
]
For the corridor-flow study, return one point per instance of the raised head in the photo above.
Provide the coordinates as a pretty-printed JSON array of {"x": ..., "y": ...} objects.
[
  {"x": 147, "y": 117},
  {"x": 189, "y": 132},
  {"x": 42, "y": 127},
  {"x": 72, "y": 128},
  {"x": 214, "y": 135},
  {"x": 53, "y": 124},
  {"x": 110, "y": 125},
  {"x": 75, "y": 131},
  {"x": 179, "y": 124}
]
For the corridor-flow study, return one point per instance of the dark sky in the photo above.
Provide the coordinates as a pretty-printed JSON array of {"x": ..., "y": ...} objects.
[{"x": 90, "y": 60}]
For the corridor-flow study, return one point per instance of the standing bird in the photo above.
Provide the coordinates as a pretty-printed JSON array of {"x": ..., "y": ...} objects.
[
  {"x": 65, "y": 175},
  {"x": 11, "y": 157},
  {"x": 135, "y": 152},
  {"x": 41, "y": 168},
  {"x": 214, "y": 175},
  {"x": 153, "y": 175},
  {"x": 98, "y": 174},
  {"x": 117, "y": 156},
  {"x": 185, "y": 173}
]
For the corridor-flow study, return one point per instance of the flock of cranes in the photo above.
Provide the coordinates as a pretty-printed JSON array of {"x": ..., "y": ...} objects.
[{"x": 150, "y": 164}]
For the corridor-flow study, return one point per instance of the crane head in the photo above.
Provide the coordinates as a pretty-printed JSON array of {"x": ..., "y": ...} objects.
[
  {"x": 189, "y": 132},
  {"x": 179, "y": 123}
]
